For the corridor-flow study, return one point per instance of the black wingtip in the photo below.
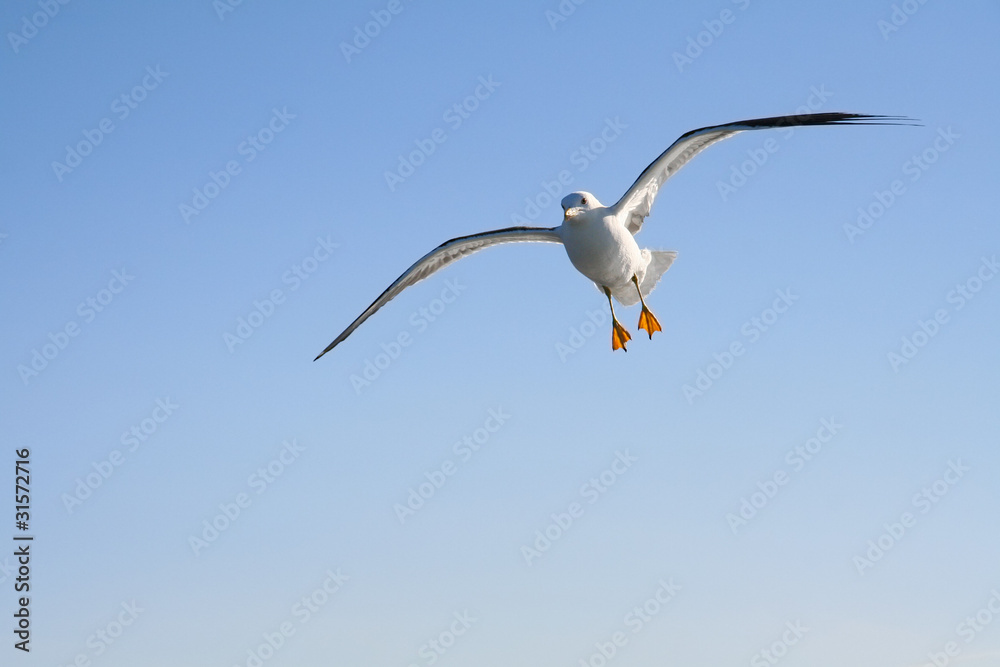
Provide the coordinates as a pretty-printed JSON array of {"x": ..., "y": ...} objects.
[
  {"x": 874, "y": 119},
  {"x": 832, "y": 118},
  {"x": 798, "y": 120}
]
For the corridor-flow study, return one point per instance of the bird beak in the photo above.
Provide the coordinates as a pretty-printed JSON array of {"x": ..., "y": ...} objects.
[{"x": 571, "y": 212}]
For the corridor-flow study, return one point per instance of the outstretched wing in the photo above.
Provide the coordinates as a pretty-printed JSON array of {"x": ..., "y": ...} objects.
[
  {"x": 637, "y": 202},
  {"x": 442, "y": 256}
]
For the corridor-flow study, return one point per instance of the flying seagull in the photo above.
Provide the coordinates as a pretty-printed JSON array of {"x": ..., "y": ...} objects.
[{"x": 599, "y": 239}]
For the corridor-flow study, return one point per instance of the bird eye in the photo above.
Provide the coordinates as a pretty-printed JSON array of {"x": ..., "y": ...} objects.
[{"x": 583, "y": 201}]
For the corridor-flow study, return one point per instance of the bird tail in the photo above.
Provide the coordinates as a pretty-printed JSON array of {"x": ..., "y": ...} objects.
[{"x": 659, "y": 262}]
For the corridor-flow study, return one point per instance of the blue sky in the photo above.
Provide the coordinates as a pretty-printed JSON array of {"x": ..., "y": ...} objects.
[{"x": 198, "y": 200}]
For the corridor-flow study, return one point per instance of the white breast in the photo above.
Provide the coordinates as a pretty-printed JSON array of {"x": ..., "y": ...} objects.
[{"x": 601, "y": 248}]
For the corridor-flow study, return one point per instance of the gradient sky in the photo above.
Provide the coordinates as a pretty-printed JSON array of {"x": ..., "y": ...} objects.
[{"x": 197, "y": 202}]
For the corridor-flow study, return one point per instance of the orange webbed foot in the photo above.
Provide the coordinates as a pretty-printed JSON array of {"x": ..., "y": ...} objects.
[
  {"x": 619, "y": 336},
  {"x": 648, "y": 322}
]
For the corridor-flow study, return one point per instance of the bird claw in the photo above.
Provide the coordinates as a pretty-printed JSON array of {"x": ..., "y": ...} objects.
[
  {"x": 649, "y": 322},
  {"x": 619, "y": 336}
]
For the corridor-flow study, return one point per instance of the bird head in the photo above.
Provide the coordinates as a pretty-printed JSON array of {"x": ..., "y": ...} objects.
[{"x": 576, "y": 203}]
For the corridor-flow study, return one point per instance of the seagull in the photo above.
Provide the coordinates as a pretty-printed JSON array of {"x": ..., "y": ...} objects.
[{"x": 599, "y": 239}]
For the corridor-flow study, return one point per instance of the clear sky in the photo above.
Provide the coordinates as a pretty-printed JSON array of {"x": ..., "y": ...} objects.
[{"x": 199, "y": 196}]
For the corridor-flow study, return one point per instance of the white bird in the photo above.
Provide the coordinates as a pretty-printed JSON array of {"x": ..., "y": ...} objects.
[{"x": 599, "y": 239}]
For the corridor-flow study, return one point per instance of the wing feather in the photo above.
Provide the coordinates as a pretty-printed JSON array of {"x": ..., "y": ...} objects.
[
  {"x": 638, "y": 200},
  {"x": 442, "y": 256}
]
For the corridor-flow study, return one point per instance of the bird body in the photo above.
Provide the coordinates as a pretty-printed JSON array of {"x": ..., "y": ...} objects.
[
  {"x": 600, "y": 247},
  {"x": 599, "y": 239}
]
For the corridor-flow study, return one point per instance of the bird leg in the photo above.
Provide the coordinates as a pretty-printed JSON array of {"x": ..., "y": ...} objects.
[
  {"x": 619, "y": 336},
  {"x": 647, "y": 320}
]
